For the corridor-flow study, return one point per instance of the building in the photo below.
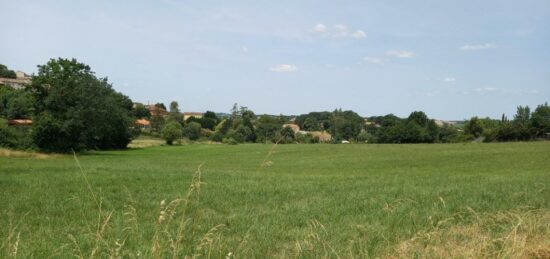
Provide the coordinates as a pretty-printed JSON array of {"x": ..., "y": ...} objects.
[
  {"x": 142, "y": 123},
  {"x": 19, "y": 82},
  {"x": 196, "y": 115},
  {"x": 156, "y": 111}
]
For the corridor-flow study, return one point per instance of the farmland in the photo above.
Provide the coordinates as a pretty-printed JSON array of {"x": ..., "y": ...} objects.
[{"x": 254, "y": 200}]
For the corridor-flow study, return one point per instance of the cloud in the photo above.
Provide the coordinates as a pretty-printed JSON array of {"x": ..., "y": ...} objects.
[
  {"x": 400, "y": 53},
  {"x": 319, "y": 27},
  {"x": 338, "y": 31},
  {"x": 359, "y": 34},
  {"x": 283, "y": 68},
  {"x": 485, "y": 89},
  {"x": 533, "y": 92},
  {"x": 244, "y": 49},
  {"x": 470, "y": 47},
  {"x": 449, "y": 79},
  {"x": 373, "y": 60}
]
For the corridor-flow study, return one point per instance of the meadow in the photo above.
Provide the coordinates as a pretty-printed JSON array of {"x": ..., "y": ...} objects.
[{"x": 297, "y": 201}]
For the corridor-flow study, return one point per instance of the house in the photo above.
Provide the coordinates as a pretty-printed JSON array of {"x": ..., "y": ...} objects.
[
  {"x": 196, "y": 115},
  {"x": 294, "y": 127},
  {"x": 156, "y": 111},
  {"x": 19, "y": 82},
  {"x": 142, "y": 123}
]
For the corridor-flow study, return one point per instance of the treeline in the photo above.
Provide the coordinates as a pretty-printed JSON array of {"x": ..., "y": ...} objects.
[
  {"x": 525, "y": 125},
  {"x": 71, "y": 109},
  {"x": 242, "y": 125}
]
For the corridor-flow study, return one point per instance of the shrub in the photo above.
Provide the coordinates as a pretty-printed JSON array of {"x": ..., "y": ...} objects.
[
  {"x": 192, "y": 130},
  {"x": 172, "y": 131},
  {"x": 230, "y": 141}
]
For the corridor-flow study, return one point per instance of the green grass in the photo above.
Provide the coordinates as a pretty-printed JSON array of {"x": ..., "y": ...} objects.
[{"x": 372, "y": 200}]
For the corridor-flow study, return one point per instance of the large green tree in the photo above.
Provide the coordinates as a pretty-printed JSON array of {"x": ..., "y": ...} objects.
[{"x": 76, "y": 110}]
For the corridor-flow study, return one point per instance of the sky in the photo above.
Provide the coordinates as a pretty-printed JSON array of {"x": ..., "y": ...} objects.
[{"x": 451, "y": 59}]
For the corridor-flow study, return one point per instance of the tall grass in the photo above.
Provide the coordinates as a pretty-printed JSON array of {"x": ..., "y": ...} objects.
[{"x": 181, "y": 230}]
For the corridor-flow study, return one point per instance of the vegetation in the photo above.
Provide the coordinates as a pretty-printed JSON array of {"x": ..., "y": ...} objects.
[
  {"x": 171, "y": 132},
  {"x": 7, "y": 73},
  {"x": 75, "y": 110},
  {"x": 299, "y": 201}
]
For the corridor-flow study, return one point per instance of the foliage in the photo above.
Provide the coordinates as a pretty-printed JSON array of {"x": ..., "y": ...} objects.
[
  {"x": 157, "y": 123},
  {"x": 171, "y": 132},
  {"x": 267, "y": 129},
  {"x": 540, "y": 120},
  {"x": 16, "y": 137},
  {"x": 192, "y": 130},
  {"x": 75, "y": 110},
  {"x": 286, "y": 135},
  {"x": 474, "y": 127},
  {"x": 6, "y": 73},
  {"x": 345, "y": 125},
  {"x": 16, "y": 103},
  {"x": 141, "y": 112}
]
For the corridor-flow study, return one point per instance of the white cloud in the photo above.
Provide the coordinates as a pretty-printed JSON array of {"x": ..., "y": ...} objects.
[
  {"x": 244, "y": 49},
  {"x": 319, "y": 27},
  {"x": 400, "y": 53},
  {"x": 449, "y": 79},
  {"x": 337, "y": 31},
  {"x": 485, "y": 89},
  {"x": 283, "y": 68},
  {"x": 359, "y": 34},
  {"x": 469, "y": 47},
  {"x": 373, "y": 60},
  {"x": 533, "y": 92}
]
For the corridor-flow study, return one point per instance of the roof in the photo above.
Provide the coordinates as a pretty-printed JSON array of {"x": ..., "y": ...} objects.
[{"x": 142, "y": 122}]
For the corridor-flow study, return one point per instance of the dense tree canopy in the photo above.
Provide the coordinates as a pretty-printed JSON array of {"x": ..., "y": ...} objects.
[{"x": 75, "y": 110}]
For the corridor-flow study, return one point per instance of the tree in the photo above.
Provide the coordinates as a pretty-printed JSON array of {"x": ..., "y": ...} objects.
[
  {"x": 75, "y": 110},
  {"x": 157, "y": 123},
  {"x": 174, "y": 107},
  {"x": 267, "y": 128},
  {"x": 192, "y": 130},
  {"x": 209, "y": 120},
  {"x": 419, "y": 117},
  {"x": 287, "y": 135},
  {"x": 311, "y": 124},
  {"x": 175, "y": 112},
  {"x": 345, "y": 125},
  {"x": 160, "y": 106},
  {"x": 540, "y": 120},
  {"x": 6, "y": 73},
  {"x": 474, "y": 127},
  {"x": 141, "y": 112},
  {"x": 522, "y": 121},
  {"x": 172, "y": 131}
]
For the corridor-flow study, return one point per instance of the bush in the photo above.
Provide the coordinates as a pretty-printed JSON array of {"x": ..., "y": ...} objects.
[
  {"x": 172, "y": 131},
  {"x": 307, "y": 138},
  {"x": 192, "y": 130},
  {"x": 16, "y": 137},
  {"x": 230, "y": 141}
]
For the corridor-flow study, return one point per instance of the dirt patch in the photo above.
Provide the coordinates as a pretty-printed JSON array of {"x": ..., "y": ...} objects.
[{"x": 15, "y": 153}]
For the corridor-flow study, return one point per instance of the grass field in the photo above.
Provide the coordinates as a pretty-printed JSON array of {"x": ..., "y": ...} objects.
[{"x": 452, "y": 200}]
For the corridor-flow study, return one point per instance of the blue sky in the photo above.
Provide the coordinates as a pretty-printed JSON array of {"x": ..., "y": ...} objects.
[{"x": 451, "y": 59}]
